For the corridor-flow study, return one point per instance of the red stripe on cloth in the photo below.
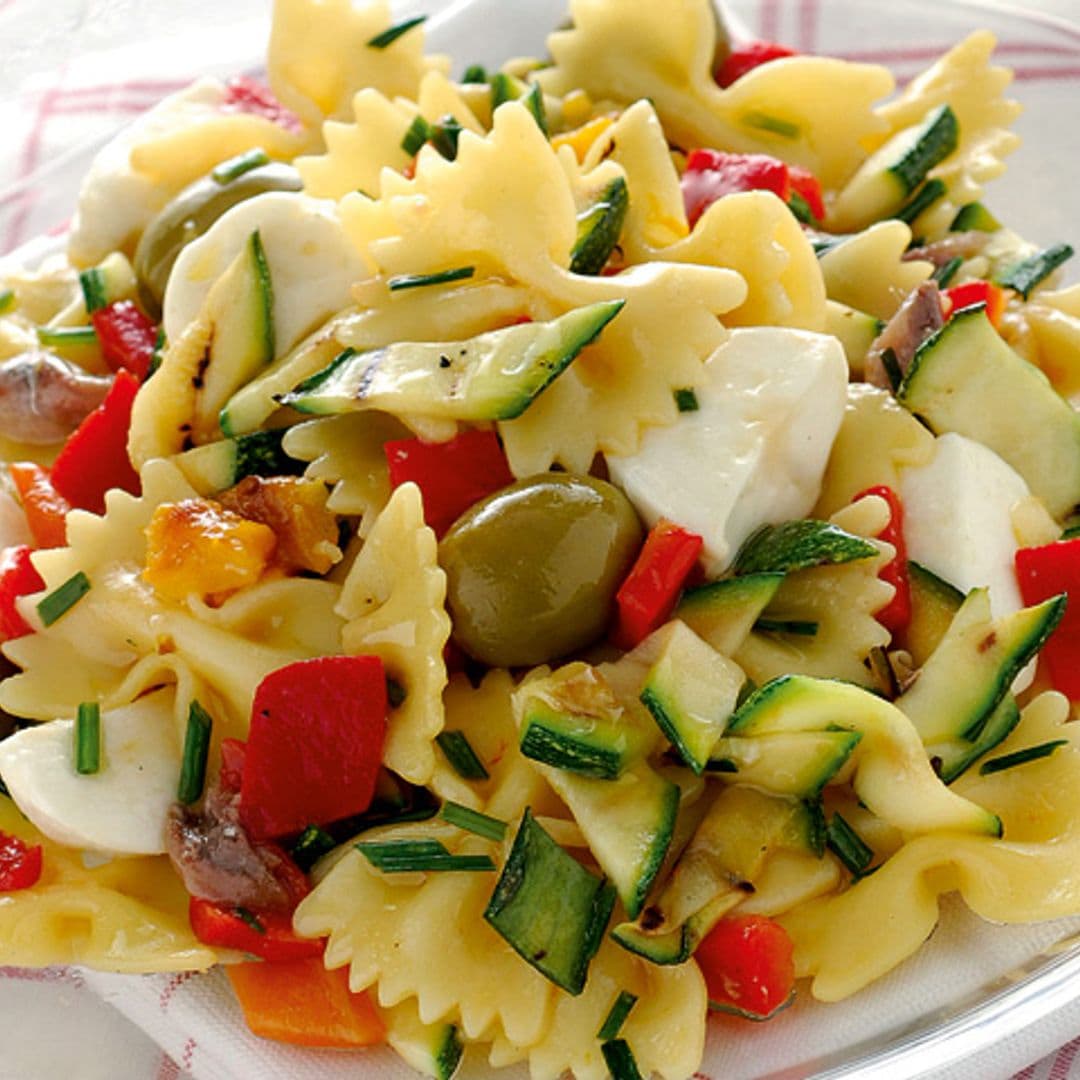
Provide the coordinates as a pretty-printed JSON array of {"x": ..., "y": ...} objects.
[
  {"x": 188, "y": 1054},
  {"x": 1063, "y": 1062},
  {"x": 1025, "y": 1074},
  {"x": 150, "y": 86},
  {"x": 169, "y": 990},
  {"x": 64, "y": 975},
  {"x": 769, "y": 19},
  {"x": 28, "y": 163},
  {"x": 1040, "y": 74},
  {"x": 167, "y": 1069},
  {"x": 932, "y": 52},
  {"x": 808, "y": 25}
]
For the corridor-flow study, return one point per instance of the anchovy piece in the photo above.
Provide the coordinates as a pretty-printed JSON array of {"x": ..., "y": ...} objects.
[{"x": 43, "y": 398}]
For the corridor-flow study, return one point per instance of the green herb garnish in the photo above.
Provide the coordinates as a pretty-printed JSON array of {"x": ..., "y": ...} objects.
[
  {"x": 419, "y": 132},
  {"x": 196, "y": 749},
  {"x": 408, "y": 856},
  {"x": 391, "y": 34},
  {"x": 95, "y": 294},
  {"x": 475, "y": 73},
  {"x": 686, "y": 400},
  {"x": 461, "y": 755},
  {"x": 765, "y": 122},
  {"x": 620, "y": 1010},
  {"x": 441, "y": 277},
  {"x": 473, "y": 821},
  {"x": 620, "y": 1060},
  {"x": 947, "y": 271},
  {"x": 88, "y": 738},
  {"x": 235, "y": 167},
  {"x": 61, "y": 336},
  {"x": 846, "y": 844},
  {"x": 1020, "y": 757},
  {"x": 313, "y": 844},
  {"x": 61, "y": 600}
]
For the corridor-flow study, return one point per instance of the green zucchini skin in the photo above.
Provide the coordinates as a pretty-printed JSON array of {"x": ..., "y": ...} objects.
[
  {"x": 798, "y": 764},
  {"x": 549, "y": 908},
  {"x": 799, "y": 545},
  {"x": 599, "y": 227},
  {"x": 219, "y": 465},
  {"x": 936, "y": 140},
  {"x": 1023, "y": 276},
  {"x": 966, "y": 379},
  {"x": 934, "y": 603},
  {"x": 586, "y": 745},
  {"x": 494, "y": 376},
  {"x": 974, "y": 216},
  {"x": 724, "y": 612}
]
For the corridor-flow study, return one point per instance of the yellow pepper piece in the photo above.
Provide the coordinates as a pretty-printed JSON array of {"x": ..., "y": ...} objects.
[
  {"x": 580, "y": 139},
  {"x": 198, "y": 547}
]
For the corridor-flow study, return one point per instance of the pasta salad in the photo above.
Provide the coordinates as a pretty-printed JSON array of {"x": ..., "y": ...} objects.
[{"x": 509, "y": 562}]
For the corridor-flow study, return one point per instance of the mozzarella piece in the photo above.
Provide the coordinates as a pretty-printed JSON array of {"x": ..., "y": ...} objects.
[
  {"x": 121, "y": 809},
  {"x": 770, "y": 405},
  {"x": 313, "y": 264},
  {"x": 115, "y": 202}
]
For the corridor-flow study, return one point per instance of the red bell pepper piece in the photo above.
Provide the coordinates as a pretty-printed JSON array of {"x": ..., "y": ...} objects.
[
  {"x": 17, "y": 578},
  {"x": 20, "y": 864},
  {"x": 805, "y": 183},
  {"x": 250, "y": 96},
  {"x": 712, "y": 174},
  {"x": 896, "y": 614},
  {"x": 451, "y": 475},
  {"x": 95, "y": 457},
  {"x": 1043, "y": 572},
  {"x": 747, "y": 965},
  {"x": 747, "y": 56},
  {"x": 45, "y": 508},
  {"x": 977, "y": 292},
  {"x": 127, "y": 337},
  {"x": 315, "y": 744},
  {"x": 647, "y": 596},
  {"x": 267, "y": 934}
]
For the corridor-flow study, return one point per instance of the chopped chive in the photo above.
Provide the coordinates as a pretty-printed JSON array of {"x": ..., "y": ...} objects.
[
  {"x": 461, "y": 755},
  {"x": 88, "y": 738},
  {"x": 444, "y": 137},
  {"x": 686, "y": 400},
  {"x": 801, "y": 209},
  {"x": 159, "y": 352},
  {"x": 408, "y": 856},
  {"x": 534, "y": 102},
  {"x": 926, "y": 196},
  {"x": 892, "y": 368},
  {"x": 803, "y": 627},
  {"x": 765, "y": 122},
  {"x": 94, "y": 292},
  {"x": 848, "y": 846},
  {"x": 196, "y": 749},
  {"x": 235, "y": 167},
  {"x": 1023, "y": 276},
  {"x": 475, "y": 73},
  {"x": 473, "y": 821},
  {"x": 66, "y": 335},
  {"x": 1072, "y": 530},
  {"x": 313, "y": 844},
  {"x": 250, "y": 919},
  {"x": 390, "y": 35},
  {"x": 61, "y": 600},
  {"x": 419, "y": 132},
  {"x": 1020, "y": 757},
  {"x": 620, "y": 1060},
  {"x": 7, "y": 299},
  {"x": 395, "y": 693},
  {"x": 441, "y": 277},
  {"x": 620, "y": 1010},
  {"x": 945, "y": 273}
]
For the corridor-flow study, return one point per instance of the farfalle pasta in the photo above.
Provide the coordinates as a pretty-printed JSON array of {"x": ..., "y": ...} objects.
[{"x": 543, "y": 542}]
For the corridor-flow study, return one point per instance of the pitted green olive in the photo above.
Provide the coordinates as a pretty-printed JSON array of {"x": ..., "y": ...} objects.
[
  {"x": 532, "y": 570},
  {"x": 191, "y": 213}
]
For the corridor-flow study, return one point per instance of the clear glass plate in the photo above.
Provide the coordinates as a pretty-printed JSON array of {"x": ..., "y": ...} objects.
[{"x": 975, "y": 996}]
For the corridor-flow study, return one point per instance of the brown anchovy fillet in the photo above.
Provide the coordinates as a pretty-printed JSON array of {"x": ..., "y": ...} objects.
[
  {"x": 919, "y": 317},
  {"x": 43, "y": 398}
]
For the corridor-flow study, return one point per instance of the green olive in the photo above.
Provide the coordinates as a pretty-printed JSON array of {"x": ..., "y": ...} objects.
[
  {"x": 191, "y": 213},
  {"x": 532, "y": 570}
]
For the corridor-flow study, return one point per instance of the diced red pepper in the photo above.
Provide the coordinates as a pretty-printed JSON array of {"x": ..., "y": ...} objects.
[
  {"x": 20, "y": 864},
  {"x": 17, "y": 578},
  {"x": 805, "y": 183},
  {"x": 896, "y": 614},
  {"x": 647, "y": 596},
  {"x": 712, "y": 174},
  {"x": 267, "y": 934},
  {"x": 250, "y": 96},
  {"x": 127, "y": 337},
  {"x": 747, "y": 965},
  {"x": 95, "y": 457},
  {"x": 451, "y": 475},
  {"x": 315, "y": 744},
  {"x": 1043, "y": 572},
  {"x": 746, "y": 56},
  {"x": 45, "y": 508},
  {"x": 976, "y": 292}
]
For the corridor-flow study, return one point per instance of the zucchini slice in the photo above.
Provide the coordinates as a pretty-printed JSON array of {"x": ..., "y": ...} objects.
[
  {"x": 219, "y": 465},
  {"x": 885, "y": 180},
  {"x": 494, "y": 376},
  {"x": 952, "y": 757},
  {"x": 975, "y": 217},
  {"x": 724, "y": 612},
  {"x": 434, "y": 1050},
  {"x": 691, "y": 691},
  {"x": 796, "y": 764},
  {"x": 890, "y": 748},
  {"x": 934, "y": 604},
  {"x": 1023, "y": 276},
  {"x": 549, "y": 908},
  {"x": 966, "y": 379},
  {"x": 598, "y": 229},
  {"x": 799, "y": 545}
]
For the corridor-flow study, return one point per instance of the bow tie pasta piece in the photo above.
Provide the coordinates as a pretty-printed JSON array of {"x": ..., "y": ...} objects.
[
  {"x": 181, "y": 139},
  {"x": 357, "y": 152},
  {"x": 1031, "y": 874},
  {"x": 392, "y": 601},
  {"x": 809, "y": 111},
  {"x": 320, "y": 56},
  {"x": 1053, "y": 321},
  {"x": 128, "y": 915},
  {"x": 752, "y": 233},
  {"x": 964, "y": 80}
]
